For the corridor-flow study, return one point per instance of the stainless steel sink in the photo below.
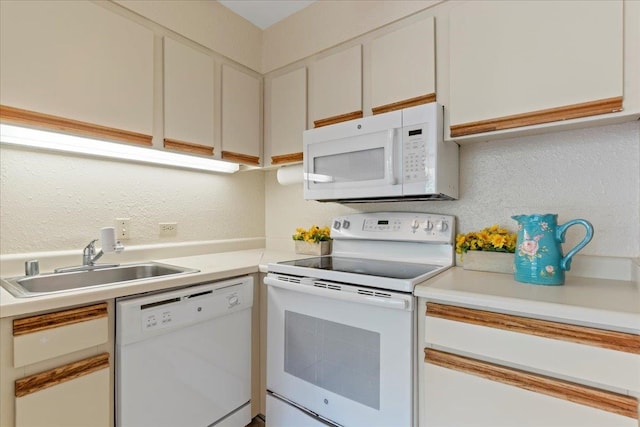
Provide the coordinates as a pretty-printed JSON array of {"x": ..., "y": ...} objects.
[{"x": 45, "y": 284}]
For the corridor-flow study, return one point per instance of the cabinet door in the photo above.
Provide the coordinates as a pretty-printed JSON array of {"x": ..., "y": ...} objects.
[
  {"x": 77, "y": 60},
  {"x": 45, "y": 336},
  {"x": 286, "y": 116},
  {"x": 521, "y": 63},
  {"x": 77, "y": 394},
  {"x": 493, "y": 396},
  {"x": 241, "y": 116},
  {"x": 336, "y": 88},
  {"x": 403, "y": 72},
  {"x": 188, "y": 99}
]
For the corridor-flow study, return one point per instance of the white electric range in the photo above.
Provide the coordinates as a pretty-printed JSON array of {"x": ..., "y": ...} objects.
[{"x": 341, "y": 329}]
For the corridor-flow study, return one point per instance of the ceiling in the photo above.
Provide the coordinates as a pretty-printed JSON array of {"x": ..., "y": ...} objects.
[{"x": 264, "y": 13}]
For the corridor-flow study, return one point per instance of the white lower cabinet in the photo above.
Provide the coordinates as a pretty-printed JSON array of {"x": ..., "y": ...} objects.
[
  {"x": 74, "y": 395},
  {"x": 455, "y": 398},
  {"x": 484, "y": 368},
  {"x": 56, "y": 368}
]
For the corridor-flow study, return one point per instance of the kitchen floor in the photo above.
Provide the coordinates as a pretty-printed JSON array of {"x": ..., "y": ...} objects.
[{"x": 256, "y": 422}]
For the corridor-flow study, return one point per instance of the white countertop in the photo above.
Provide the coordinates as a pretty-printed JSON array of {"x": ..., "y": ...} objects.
[
  {"x": 214, "y": 266},
  {"x": 605, "y": 303},
  {"x": 601, "y": 303}
]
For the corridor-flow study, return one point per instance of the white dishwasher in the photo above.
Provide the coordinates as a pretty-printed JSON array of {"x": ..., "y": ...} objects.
[{"x": 183, "y": 357}]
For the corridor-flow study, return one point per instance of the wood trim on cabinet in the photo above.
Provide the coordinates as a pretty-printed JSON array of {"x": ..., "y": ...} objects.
[
  {"x": 337, "y": 119},
  {"x": 577, "y": 393},
  {"x": 574, "y": 111},
  {"x": 55, "y": 376},
  {"x": 187, "y": 147},
  {"x": 286, "y": 158},
  {"x": 612, "y": 340},
  {"x": 42, "y": 322},
  {"x": 411, "y": 102},
  {"x": 240, "y": 158},
  {"x": 55, "y": 123}
]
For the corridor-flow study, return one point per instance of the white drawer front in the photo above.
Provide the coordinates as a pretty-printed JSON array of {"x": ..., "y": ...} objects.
[
  {"x": 459, "y": 399},
  {"x": 617, "y": 370},
  {"x": 50, "y": 335}
]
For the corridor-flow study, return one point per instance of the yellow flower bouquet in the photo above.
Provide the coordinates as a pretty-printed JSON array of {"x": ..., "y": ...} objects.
[
  {"x": 492, "y": 239},
  {"x": 490, "y": 249},
  {"x": 314, "y": 234},
  {"x": 314, "y": 241}
]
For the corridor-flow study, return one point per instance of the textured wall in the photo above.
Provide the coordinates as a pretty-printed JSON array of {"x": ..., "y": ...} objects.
[
  {"x": 590, "y": 173},
  {"x": 52, "y": 202}
]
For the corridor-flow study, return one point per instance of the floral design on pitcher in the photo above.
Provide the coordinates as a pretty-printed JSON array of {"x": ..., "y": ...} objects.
[
  {"x": 548, "y": 271},
  {"x": 530, "y": 248}
]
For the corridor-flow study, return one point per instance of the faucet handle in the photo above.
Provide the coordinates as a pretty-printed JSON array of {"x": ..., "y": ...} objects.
[{"x": 90, "y": 249}]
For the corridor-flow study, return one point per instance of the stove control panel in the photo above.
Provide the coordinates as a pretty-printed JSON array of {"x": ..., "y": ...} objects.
[{"x": 401, "y": 226}]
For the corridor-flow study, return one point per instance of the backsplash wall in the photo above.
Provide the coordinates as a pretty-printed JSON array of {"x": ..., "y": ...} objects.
[
  {"x": 51, "y": 202},
  {"x": 590, "y": 173}
]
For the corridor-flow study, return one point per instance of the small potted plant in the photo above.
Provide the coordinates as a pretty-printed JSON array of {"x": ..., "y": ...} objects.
[
  {"x": 490, "y": 249},
  {"x": 314, "y": 241}
]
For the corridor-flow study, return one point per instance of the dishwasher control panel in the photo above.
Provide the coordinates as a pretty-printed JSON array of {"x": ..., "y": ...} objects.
[{"x": 139, "y": 317}]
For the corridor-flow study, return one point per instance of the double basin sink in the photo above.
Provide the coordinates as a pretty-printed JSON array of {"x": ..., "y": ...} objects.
[{"x": 45, "y": 284}]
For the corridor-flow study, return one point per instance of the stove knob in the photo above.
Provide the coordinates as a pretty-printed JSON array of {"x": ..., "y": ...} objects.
[
  {"x": 442, "y": 226},
  {"x": 336, "y": 225},
  {"x": 428, "y": 226},
  {"x": 346, "y": 224},
  {"x": 415, "y": 224}
]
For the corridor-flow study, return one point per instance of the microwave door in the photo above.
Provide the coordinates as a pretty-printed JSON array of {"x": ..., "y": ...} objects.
[{"x": 357, "y": 166}]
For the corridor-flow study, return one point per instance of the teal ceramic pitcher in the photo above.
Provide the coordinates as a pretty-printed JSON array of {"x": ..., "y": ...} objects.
[{"x": 538, "y": 257}]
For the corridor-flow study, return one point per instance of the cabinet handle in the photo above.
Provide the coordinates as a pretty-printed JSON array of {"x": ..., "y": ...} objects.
[
  {"x": 46, "y": 379},
  {"x": 42, "y": 322},
  {"x": 240, "y": 158},
  {"x": 337, "y": 119},
  {"x": 584, "y": 395},
  {"x": 612, "y": 340},
  {"x": 411, "y": 102},
  {"x": 55, "y": 123},
  {"x": 286, "y": 158},
  {"x": 187, "y": 147},
  {"x": 574, "y": 111}
]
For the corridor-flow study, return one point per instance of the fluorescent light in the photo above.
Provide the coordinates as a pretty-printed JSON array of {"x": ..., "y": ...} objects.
[{"x": 15, "y": 135}]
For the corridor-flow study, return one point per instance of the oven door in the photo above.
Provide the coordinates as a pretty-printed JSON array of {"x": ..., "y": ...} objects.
[
  {"x": 355, "y": 159},
  {"x": 341, "y": 352}
]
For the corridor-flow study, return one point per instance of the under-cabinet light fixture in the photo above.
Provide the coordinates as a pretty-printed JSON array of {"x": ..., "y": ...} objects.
[{"x": 35, "y": 138}]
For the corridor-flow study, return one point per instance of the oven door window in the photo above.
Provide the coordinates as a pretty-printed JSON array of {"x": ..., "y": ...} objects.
[{"x": 339, "y": 358}]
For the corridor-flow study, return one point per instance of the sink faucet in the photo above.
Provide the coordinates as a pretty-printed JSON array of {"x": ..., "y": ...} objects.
[{"x": 89, "y": 258}]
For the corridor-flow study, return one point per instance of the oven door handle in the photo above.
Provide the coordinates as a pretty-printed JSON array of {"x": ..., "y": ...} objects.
[{"x": 394, "y": 303}]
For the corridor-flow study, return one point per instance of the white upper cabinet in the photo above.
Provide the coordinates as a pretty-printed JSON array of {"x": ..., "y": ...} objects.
[
  {"x": 336, "y": 87},
  {"x": 528, "y": 62},
  {"x": 241, "y": 116},
  {"x": 285, "y": 116},
  {"x": 188, "y": 99},
  {"x": 403, "y": 71},
  {"x": 76, "y": 60}
]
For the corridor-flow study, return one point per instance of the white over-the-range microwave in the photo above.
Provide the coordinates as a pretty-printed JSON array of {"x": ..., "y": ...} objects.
[{"x": 400, "y": 155}]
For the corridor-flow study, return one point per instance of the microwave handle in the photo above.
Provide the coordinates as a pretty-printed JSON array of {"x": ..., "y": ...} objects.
[{"x": 389, "y": 163}]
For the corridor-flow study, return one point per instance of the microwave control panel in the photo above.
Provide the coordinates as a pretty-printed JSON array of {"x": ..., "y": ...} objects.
[{"x": 414, "y": 154}]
